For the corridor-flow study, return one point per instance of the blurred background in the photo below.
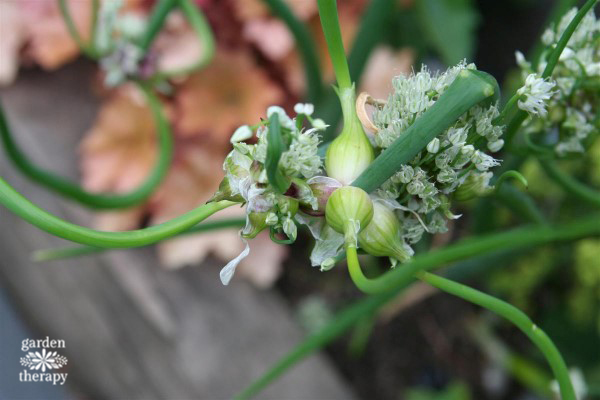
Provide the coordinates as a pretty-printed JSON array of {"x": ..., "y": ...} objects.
[{"x": 156, "y": 323}]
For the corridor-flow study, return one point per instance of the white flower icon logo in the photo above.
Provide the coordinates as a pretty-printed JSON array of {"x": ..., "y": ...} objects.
[{"x": 43, "y": 361}]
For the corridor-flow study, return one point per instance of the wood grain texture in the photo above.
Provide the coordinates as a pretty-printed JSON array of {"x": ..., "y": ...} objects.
[{"x": 132, "y": 329}]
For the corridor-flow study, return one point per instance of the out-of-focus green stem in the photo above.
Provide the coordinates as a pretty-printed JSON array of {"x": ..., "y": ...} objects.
[
  {"x": 56, "y": 226},
  {"x": 569, "y": 184},
  {"x": 517, "y": 317},
  {"x": 333, "y": 35},
  {"x": 198, "y": 22},
  {"x": 155, "y": 23},
  {"x": 72, "y": 28},
  {"x": 306, "y": 46},
  {"x": 75, "y": 191},
  {"x": 94, "y": 24},
  {"x": 70, "y": 252},
  {"x": 522, "y": 238}
]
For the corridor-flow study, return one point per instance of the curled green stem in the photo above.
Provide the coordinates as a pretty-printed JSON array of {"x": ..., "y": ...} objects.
[
  {"x": 95, "y": 200},
  {"x": 402, "y": 276},
  {"x": 155, "y": 23},
  {"x": 511, "y": 174},
  {"x": 86, "y": 48},
  {"x": 306, "y": 46},
  {"x": 56, "y": 226},
  {"x": 517, "y": 317},
  {"x": 200, "y": 25},
  {"x": 570, "y": 184},
  {"x": 76, "y": 251}
]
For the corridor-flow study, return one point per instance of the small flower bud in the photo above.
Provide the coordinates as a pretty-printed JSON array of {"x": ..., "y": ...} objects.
[
  {"x": 347, "y": 206},
  {"x": 434, "y": 146},
  {"x": 255, "y": 223},
  {"x": 321, "y": 188},
  {"x": 224, "y": 193},
  {"x": 381, "y": 237},
  {"x": 242, "y": 133},
  {"x": 351, "y": 152},
  {"x": 304, "y": 108},
  {"x": 319, "y": 124}
]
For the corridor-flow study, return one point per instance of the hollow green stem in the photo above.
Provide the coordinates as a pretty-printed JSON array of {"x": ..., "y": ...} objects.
[
  {"x": 520, "y": 203},
  {"x": 45, "y": 221},
  {"x": 200, "y": 25},
  {"x": 358, "y": 277},
  {"x": 510, "y": 104},
  {"x": 569, "y": 184},
  {"x": 521, "y": 115},
  {"x": 306, "y": 46},
  {"x": 566, "y": 36},
  {"x": 94, "y": 24},
  {"x": 521, "y": 238},
  {"x": 511, "y": 174},
  {"x": 333, "y": 36},
  {"x": 95, "y": 200},
  {"x": 468, "y": 89},
  {"x": 517, "y": 317},
  {"x": 72, "y": 28},
  {"x": 155, "y": 23},
  {"x": 70, "y": 252}
]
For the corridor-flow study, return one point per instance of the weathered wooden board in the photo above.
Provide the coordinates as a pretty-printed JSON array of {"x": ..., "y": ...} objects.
[{"x": 132, "y": 329}]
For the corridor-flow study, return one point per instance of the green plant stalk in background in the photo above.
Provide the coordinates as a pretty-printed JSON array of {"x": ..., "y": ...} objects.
[
  {"x": 200, "y": 25},
  {"x": 401, "y": 277},
  {"x": 157, "y": 19},
  {"x": 76, "y": 251},
  {"x": 76, "y": 192},
  {"x": 86, "y": 48},
  {"x": 517, "y": 317},
  {"x": 306, "y": 47},
  {"x": 56, "y": 226},
  {"x": 570, "y": 184},
  {"x": 521, "y": 115}
]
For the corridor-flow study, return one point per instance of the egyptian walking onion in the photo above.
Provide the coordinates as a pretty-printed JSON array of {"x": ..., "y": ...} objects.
[{"x": 318, "y": 193}]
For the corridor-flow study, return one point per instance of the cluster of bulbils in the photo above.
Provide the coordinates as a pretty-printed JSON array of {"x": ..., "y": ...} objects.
[
  {"x": 572, "y": 95},
  {"x": 386, "y": 222}
]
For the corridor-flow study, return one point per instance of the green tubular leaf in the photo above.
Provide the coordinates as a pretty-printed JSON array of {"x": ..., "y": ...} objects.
[
  {"x": 518, "y": 318},
  {"x": 306, "y": 46},
  {"x": 468, "y": 89},
  {"x": 56, "y": 226},
  {"x": 522, "y": 238},
  {"x": 198, "y": 22},
  {"x": 330, "y": 24},
  {"x": 372, "y": 26},
  {"x": 94, "y": 200},
  {"x": 70, "y": 252},
  {"x": 275, "y": 147}
]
